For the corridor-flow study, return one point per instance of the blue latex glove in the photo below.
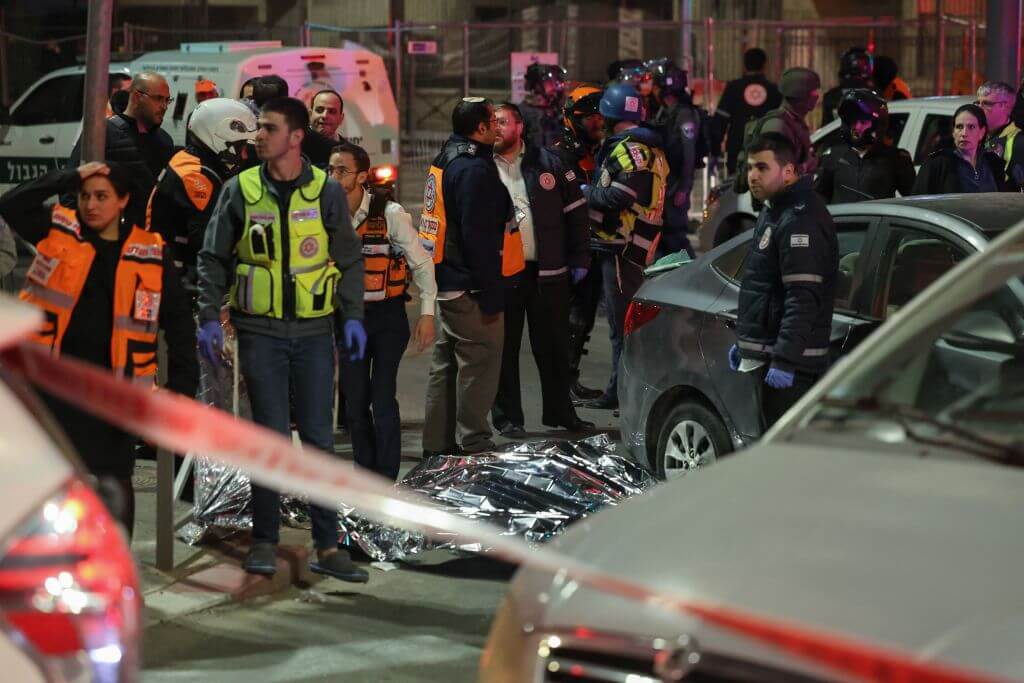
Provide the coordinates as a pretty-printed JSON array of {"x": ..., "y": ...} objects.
[
  {"x": 734, "y": 357},
  {"x": 211, "y": 341},
  {"x": 584, "y": 189},
  {"x": 779, "y": 379},
  {"x": 355, "y": 339},
  {"x": 578, "y": 274}
]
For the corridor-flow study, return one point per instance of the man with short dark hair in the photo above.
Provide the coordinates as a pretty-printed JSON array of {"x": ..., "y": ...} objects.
[
  {"x": 468, "y": 226},
  {"x": 135, "y": 139},
  {"x": 551, "y": 214},
  {"x": 743, "y": 100},
  {"x": 784, "y": 321},
  {"x": 326, "y": 114},
  {"x": 280, "y": 245},
  {"x": 391, "y": 252}
]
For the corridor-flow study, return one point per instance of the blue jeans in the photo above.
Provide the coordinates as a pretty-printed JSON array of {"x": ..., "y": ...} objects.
[
  {"x": 304, "y": 366},
  {"x": 371, "y": 388}
]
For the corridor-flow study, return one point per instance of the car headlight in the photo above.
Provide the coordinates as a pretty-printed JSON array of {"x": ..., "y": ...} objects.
[{"x": 506, "y": 658}]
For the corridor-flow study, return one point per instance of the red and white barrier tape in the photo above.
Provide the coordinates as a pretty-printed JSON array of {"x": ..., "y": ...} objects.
[{"x": 179, "y": 424}]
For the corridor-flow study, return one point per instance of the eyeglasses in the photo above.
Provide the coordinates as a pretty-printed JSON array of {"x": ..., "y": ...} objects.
[
  {"x": 339, "y": 170},
  {"x": 156, "y": 98},
  {"x": 988, "y": 104}
]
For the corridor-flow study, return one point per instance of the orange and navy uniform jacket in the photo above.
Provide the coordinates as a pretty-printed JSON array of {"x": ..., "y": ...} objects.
[
  {"x": 103, "y": 301},
  {"x": 181, "y": 204},
  {"x": 385, "y": 269}
]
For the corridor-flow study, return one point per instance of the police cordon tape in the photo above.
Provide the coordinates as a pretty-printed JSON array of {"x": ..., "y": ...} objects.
[{"x": 181, "y": 425}]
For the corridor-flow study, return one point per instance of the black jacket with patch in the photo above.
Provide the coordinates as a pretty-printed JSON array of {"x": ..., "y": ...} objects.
[{"x": 788, "y": 288}]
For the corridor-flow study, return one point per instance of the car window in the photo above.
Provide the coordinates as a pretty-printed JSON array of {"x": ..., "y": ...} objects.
[
  {"x": 936, "y": 132},
  {"x": 912, "y": 260},
  {"x": 851, "y": 235},
  {"x": 731, "y": 264},
  {"x": 828, "y": 140},
  {"x": 57, "y": 100},
  {"x": 897, "y": 122}
]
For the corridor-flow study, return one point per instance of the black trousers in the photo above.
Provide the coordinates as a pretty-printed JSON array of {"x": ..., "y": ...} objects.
[
  {"x": 775, "y": 402},
  {"x": 545, "y": 305},
  {"x": 371, "y": 386},
  {"x": 585, "y": 297}
]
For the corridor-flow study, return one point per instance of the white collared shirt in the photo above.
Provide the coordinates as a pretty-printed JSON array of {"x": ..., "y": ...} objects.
[
  {"x": 405, "y": 238},
  {"x": 511, "y": 173}
]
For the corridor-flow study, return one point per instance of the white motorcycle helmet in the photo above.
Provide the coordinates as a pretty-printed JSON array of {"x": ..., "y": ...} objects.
[{"x": 224, "y": 127}]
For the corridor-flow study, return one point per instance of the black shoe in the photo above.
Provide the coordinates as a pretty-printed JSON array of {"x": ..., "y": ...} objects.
[
  {"x": 340, "y": 566},
  {"x": 578, "y": 392},
  {"x": 604, "y": 402},
  {"x": 510, "y": 430},
  {"x": 262, "y": 559}
]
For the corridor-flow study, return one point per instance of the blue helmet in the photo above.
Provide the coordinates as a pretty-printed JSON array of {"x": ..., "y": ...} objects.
[{"x": 622, "y": 102}]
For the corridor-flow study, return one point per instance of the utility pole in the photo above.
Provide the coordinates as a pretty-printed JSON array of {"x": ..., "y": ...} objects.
[
  {"x": 1002, "y": 41},
  {"x": 97, "y": 66}
]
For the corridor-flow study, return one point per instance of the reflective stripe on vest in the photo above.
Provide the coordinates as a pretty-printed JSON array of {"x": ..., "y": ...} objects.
[
  {"x": 55, "y": 281},
  {"x": 639, "y": 225},
  {"x": 260, "y": 279},
  {"x": 385, "y": 268}
]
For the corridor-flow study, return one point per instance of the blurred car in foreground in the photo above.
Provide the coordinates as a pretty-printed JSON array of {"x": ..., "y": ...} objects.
[
  {"x": 883, "y": 509},
  {"x": 69, "y": 592},
  {"x": 681, "y": 405}
]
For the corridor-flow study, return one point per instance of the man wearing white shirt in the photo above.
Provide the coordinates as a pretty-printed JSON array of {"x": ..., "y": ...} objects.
[{"x": 391, "y": 250}]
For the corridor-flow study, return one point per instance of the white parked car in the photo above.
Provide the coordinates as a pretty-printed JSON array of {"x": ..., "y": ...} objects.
[
  {"x": 69, "y": 592},
  {"x": 916, "y": 125},
  {"x": 45, "y": 122},
  {"x": 883, "y": 509}
]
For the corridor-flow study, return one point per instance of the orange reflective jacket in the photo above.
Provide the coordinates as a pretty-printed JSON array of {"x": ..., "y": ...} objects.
[
  {"x": 55, "y": 280},
  {"x": 385, "y": 268}
]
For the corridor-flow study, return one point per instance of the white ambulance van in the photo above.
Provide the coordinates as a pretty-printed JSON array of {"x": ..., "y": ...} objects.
[{"x": 45, "y": 122}]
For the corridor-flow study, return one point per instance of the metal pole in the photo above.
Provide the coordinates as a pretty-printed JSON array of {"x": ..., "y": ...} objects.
[
  {"x": 97, "y": 66},
  {"x": 974, "y": 54},
  {"x": 5, "y": 90},
  {"x": 685, "y": 39},
  {"x": 465, "y": 59},
  {"x": 709, "y": 100},
  {"x": 1002, "y": 40},
  {"x": 398, "y": 68},
  {"x": 940, "y": 48},
  {"x": 550, "y": 37}
]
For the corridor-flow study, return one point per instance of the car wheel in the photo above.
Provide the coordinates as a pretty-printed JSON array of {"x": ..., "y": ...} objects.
[{"x": 691, "y": 436}]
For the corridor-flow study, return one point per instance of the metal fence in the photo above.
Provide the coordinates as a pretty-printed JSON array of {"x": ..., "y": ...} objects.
[{"x": 433, "y": 65}]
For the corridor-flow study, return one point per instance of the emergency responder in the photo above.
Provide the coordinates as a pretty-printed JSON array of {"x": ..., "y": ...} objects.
[
  {"x": 856, "y": 67},
  {"x": 864, "y": 165},
  {"x": 542, "y": 106},
  {"x": 743, "y": 100},
  {"x": 205, "y": 89},
  {"x": 551, "y": 214},
  {"x": 639, "y": 75},
  {"x": 686, "y": 133},
  {"x": 582, "y": 133},
  {"x": 106, "y": 288},
  {"x": 888, "y": 84},
  {"x": 966, "y": 167},
  {"x": 280, "y": 245},
  {"x": 391, "y": 250},
  {"x": 800, "y": 90},
  {"x": 787, "y": 292},
  {"x": 630, "y": 193},
  {"x": 468, "y": 225},
  {"x": 997, "y": 99},
  {"x": 216, "y": 143}
]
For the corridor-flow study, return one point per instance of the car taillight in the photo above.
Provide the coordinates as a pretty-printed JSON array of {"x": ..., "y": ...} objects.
[
  {"x": 383, "y": 175},
  {"x": 639, "y": 314},
  {"x": 68, "y": 585}
]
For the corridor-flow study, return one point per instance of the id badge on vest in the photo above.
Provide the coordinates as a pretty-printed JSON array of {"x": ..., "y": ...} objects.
[
  {"x": 42, "y": 269},
  {"x": 147, "y": 305}
]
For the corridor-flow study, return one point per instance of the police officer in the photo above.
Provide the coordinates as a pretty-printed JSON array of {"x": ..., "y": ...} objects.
[
  {"x": 686, "y": 133},
  {"x": 216, "y": 142},
  {"x": 552, "y": 217},
  {"x": 864, "y": 165},
  {"x": 279, "y": 244},
  {"x": 542, "y": 106},
  {"x": 788, "y": 288},
  {"x": 856, "y": 67},
  {"x": 743, "y": 100},
  {"x": 629, "y": 193},
  {"x": 800, "y": 89},
  {"x": 391, "y": 252},
  {"x": 468, "y": 225},
  {"x": 640, "y": 75},
  {"x": 582, "y": 133}
]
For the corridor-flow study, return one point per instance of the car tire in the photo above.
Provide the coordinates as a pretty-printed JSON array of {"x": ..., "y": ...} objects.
[{"x": 691, "y": 436}]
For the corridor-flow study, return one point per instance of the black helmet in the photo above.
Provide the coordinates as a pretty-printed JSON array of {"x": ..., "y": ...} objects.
[
  {"x": 634, "y": 73},
  {"x": 616, "y": 67},
  {"x": 856, "y": 64},
  {"x": 583, "y": 101},
  {"x": 668, "y": 77},
  {"x": 538, "y": 74},
  {"x": 861, "y": 104}
]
